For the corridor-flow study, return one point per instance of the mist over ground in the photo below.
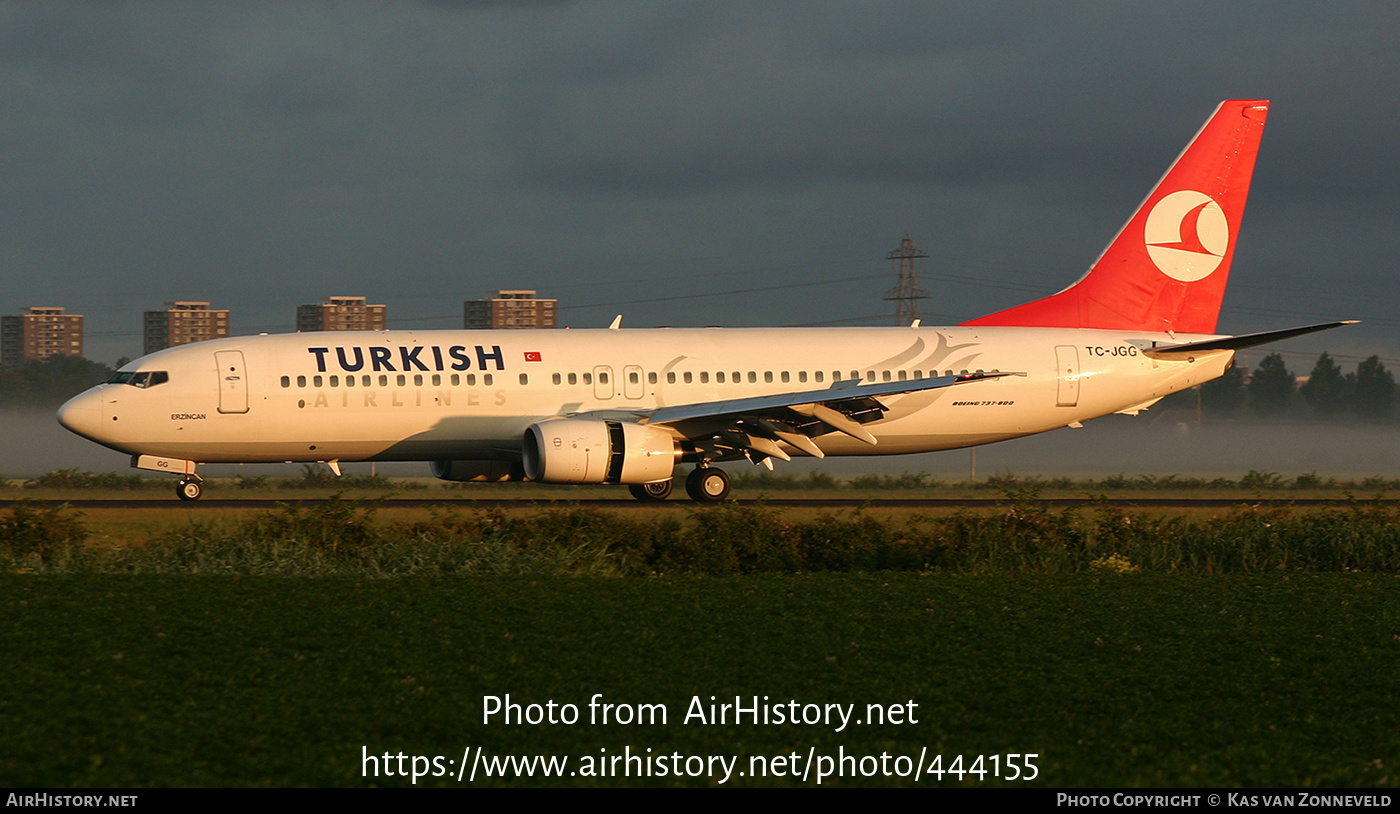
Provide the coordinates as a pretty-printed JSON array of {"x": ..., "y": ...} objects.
[{"x": 33, "y": 443}]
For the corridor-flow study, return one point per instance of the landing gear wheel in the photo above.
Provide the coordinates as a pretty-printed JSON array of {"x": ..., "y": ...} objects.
[
  {"x": 660, "y": 490},
  {"x": 707, "y": 485},
  {"x": 189, "y": 489}
]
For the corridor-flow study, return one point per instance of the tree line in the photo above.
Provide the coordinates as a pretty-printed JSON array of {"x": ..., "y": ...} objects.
[
  {"x": 1271, "y": 390},
  {"x": 1367, "y": 394},
  {"x": 49, "y": 383}
]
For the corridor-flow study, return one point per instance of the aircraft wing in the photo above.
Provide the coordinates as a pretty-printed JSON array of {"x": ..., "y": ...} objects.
[{"x": 753, "y": 427}]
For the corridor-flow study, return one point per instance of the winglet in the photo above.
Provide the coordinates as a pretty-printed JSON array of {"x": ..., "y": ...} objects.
[{"x": 616, "y": 323}]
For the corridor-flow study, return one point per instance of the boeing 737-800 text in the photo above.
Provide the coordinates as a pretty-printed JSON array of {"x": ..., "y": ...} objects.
[{"x": 628, "y": 406}]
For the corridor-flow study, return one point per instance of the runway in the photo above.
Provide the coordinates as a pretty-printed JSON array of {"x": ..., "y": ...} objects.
[{"x": 629, "y": 504}]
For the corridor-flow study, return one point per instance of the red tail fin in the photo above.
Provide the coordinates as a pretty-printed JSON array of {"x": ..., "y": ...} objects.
[{"x": 1166, "y": 269}]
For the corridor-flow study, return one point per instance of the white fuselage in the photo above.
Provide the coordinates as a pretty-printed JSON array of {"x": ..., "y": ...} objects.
[{"x": 470, "y": 395}]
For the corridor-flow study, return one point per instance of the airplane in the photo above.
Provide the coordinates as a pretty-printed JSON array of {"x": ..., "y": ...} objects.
[{"x": 614, "y": 406}]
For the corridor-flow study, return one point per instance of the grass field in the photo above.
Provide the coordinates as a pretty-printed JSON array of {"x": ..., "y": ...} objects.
[
  {"x": 1248, "y": 647},
  {"x": 1112, "y": 680}
]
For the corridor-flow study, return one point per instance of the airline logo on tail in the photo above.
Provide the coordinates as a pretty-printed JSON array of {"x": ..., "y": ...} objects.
[
  {"x": 1187, "y": 235},
  {"x": 1167, "y": 267}
]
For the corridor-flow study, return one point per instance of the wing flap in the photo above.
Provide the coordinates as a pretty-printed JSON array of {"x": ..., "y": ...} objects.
[{"x": 754, "y": 427}]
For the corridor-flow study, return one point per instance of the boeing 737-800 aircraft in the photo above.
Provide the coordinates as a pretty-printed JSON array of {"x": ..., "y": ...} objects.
[{"x": 627, "y": 406}]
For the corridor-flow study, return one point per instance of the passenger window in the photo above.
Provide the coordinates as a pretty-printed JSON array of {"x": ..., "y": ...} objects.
[
  {"x": 671, "y": 377},
  {"x": 471, "y": 380},
  {"x": 558, "y": 379},
  {"x": 418, "y": 380},
  {"x": 524, "y": 378},
  {"x": 885, "y": 376},
  {"x": 819, "y": 376},
  {"x": 383, "y": 380},
  {"x": 437, "y": 380},
  {"x": 719, "y": 377},
  {"x": 401, "y": 380},
  {"x": 573, "y": 378},
  {"x": 349, "y": 381},
  {"x": 316, "y": 381},
  {"x": 456, "y": 379},
  {"x": 904, "y": 375},
  {"x": 588, "y": 378},
  {"x": 651, "y": 378},
  {"x": 768, "y": 376},
  {"x": 687, "y": 377},
  {"x": 802, "y": 376},
  {"x": 634, "y": 378},
  {"x": 364, "y": 380},
  {"x": 704, "y": 377},
  {"x": 301, "y": 381},
  {"x": 335, "y": 381},
  {"x": 602, "y": 378},
  {"x": 486, "y": 379},
  {"x": 785, "y": 377},
  {"x": 286, "y": 381}
]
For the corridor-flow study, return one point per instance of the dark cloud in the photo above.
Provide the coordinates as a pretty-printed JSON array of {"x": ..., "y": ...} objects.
[{"x": 265, "y": 154}]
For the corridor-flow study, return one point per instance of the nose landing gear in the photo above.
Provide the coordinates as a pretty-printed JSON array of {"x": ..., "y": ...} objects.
[{"x": 189, "y": 488}]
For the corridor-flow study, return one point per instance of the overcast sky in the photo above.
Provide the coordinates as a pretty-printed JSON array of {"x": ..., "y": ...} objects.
[{"x": 680, "y": 163}]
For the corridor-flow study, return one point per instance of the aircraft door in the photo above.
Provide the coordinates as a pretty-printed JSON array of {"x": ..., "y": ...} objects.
[
  {"x": 632, "y": 381},
  {"x": 602, "y": 383},
  {"x": 233, "y": 381},
  {"x": 1067, "y": 360}
]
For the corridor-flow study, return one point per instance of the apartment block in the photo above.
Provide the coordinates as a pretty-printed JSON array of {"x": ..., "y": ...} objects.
[
  {"x": 38, "y": 333},
  {"x": 181, "y": 323},
  {"x": 341, "y": 314},
  {"x": 508, "y": 309}
]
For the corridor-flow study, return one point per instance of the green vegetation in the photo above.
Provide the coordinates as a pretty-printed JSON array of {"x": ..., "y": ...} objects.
[
  {"x": 49, "y": 383},
  {"x": 1152, "y": 680},
  {"x": 1369, "y": 394},
  {"x": 1254, "y": 648},
  {"x": 1250, "y": 483},
  {"x": 1022, "y": 535}
]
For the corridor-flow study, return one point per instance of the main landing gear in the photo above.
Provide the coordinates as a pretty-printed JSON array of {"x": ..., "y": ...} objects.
[
  {"x": 704, "y": 485},
  {"x": 707, "y": 485},
  {"x": 658, "y": 490}
]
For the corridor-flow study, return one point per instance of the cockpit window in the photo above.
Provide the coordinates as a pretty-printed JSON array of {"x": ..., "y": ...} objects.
[{"x": 142, "y": 379}]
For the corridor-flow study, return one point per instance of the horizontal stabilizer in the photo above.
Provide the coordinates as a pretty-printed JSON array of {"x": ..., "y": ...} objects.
[{"x": 1241, "y": 341}]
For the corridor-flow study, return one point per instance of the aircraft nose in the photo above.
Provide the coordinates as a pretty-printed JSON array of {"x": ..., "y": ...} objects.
[{"x": 82, "y": 414}]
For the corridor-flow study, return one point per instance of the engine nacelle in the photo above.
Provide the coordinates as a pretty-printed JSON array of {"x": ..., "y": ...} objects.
[
  {"x": 581, "y": 450},
  {"x": 477, "y": 471}
]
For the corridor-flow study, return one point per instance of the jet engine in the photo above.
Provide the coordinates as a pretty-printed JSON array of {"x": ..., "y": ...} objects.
[
  {"x": 477, "y": 471},
  {"x": 581, "y": 450}
]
